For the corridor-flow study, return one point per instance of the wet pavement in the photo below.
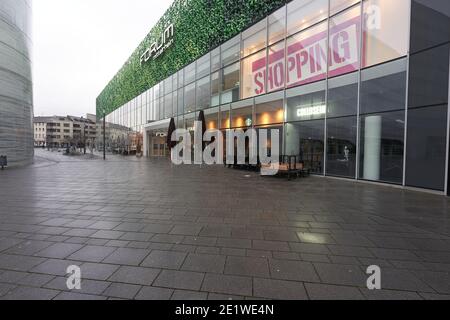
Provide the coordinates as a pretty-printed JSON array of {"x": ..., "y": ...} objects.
[{"x": 145, "y": 229}]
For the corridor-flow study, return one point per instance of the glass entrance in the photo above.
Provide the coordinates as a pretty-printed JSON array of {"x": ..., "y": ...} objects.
[{"x": 159, "y": 147}]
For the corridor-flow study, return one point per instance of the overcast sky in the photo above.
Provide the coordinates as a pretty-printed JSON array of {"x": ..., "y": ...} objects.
[{"x": 79, "y": 45}]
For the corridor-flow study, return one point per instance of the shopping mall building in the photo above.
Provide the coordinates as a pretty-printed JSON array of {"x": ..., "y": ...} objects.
[{"x": 358, "y": 89}]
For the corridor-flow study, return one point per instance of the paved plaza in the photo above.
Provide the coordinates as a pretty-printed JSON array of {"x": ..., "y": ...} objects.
[{"x": 145, "y": 229}]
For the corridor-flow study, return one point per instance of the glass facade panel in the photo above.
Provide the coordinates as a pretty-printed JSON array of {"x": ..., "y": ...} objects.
[
  {"x": 242, "y": 114},
  {"x": 168, "y": 106},
  {"x": 307, "y": 56},
  {"x": 277, "y": 26},
  {"x": 203, "y": 66},
  {"x": 343, "y": 96},
  {"x": 269, "y": 109},
  {"x": 215, "y": 89},
  {"x": 189, "y": 98},
  {"x": 231, "y": 51},
  {"x": 386, "y": 24},
  {"x": 339, "y": 5},
  {"x": 203, "y": 95},
  {"x": 382, "y": 147},
  {"x": 383, "y": 88},
  {"x": 306, "y": 140},
  {"x": 276, "y": 74},
  {"x": 225, "y": 117},
  {"x": 230, "y": 83},
  {"x": 341, "y": 147},
  {"x": 212, "y": 118},
  {"x": 189, "y": 73},
  {"x": 253, "y": 70},
  {"x": 427, "y": 147},
  {"x": 215, "y": 60},
  {"x": 306, "y": 102},
  {"x": 305, "y": 13},
  {"x": 254, "y": 38}
]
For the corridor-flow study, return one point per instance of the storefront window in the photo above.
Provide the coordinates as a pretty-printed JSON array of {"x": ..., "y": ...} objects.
[
  {"x": 253, "y": 75},
  {"x": 189, "y": 73},
  {"x": 225, "y": 119},
  {"x": 382, "y": 144},
  {"x": 254, "y": 38},
  {"x": 242, "y": 114},
  {"x": 212, "y": 118},
  {"x": 427, "y": 147},
  {"x": 269, "y": 109},
  {"x": 277, "y": 26},
  {"x": 215, "y": 89},
  {"x": 203, "y": 93},
  {"x": 230, "y": 83},
  {"x": 231, "y": 51},
  {"x": 345, "y": 38},
  {"x": 383, "y": 88},
  {"x": 306, "y": 141},
  {"x": 343, "y": 96},
  {"x": 203, "y": 66},
  {"x": 189, "y": 98},
  {"x": 305, "y": 13},
  {"x": 339, "y": 5},
  {"x": 306, "y": 102},
  {"x": 341, "y": 147},
  {"x": 307, "y": 56},
  {"x": 386, "y": 30}
]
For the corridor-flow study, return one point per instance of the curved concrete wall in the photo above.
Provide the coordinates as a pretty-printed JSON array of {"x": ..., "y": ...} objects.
[{"x": 16, "y": 92}]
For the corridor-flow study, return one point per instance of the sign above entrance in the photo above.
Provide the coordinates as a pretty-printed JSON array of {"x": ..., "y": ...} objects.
[{"x": 157, "y": 48}]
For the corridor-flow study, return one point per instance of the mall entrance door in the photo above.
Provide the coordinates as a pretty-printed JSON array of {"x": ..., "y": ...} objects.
[{"x": 159, "y": 147}]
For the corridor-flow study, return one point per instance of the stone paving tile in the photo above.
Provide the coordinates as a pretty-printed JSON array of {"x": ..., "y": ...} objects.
[
  {"x": 5, "y": 288},
  {"x": 189, "y": 295},
  {"x": 186, "y": 230},
  {"x": 204, "y": 263},
  {"x": 97, "y": 271},
  {"x": 59, "y": 250},
  {"x": 135, "y": 275},
  {"x": 29, "y": 293},
  {"x": 246, "y": 266},
  {"x": 68, "y": 296},
  {"x": 390, "y": 295},
  {"x": 332, "y": 292},
  {"x": 152, "y": 293},
  {"x": 180, "y": 280},
  {"x": 94, "y": 287},
  {"x": 278, "y": 289},
  {"x": 164, "y": 259},
  {"x": 19, "y": 263},
  {"x": 120, "y": 290},
  {"x": 233, "y": 285},
  {"x": 27, "y": 248},
  {"x": 92, "y": 253},
  {"x": 54, "y": 267},
  {"x": 292, "y": 270},
  {"x": 127, "y": 256},
  {"x": 341, "y": 274}
]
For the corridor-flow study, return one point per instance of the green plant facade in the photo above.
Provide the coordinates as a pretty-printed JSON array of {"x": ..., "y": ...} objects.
[{"x": 200, "y": 25}]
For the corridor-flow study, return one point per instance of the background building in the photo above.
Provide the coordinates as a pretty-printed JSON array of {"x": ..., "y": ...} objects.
[
  {"x": 16, "y": 94},
  {"x": 358, "y": 89},
  {"x": 58, "y": 132}
]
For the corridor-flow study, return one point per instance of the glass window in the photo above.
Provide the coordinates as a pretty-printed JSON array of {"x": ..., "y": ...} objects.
[
  {"x": 157, "y": 114},
  {"x": 189, "y": 121},
  {"x": 277, "y": 71},
  {"x": 225, "y": 119},
  {"x": 427, "y": 145},
  {"x": 203, "y": 66},
  {"x": 189, "y": 73},
  {"x": 343, "y": 96},
  {"x": 339, "y": 5},
  {"x": 306, "y": 140},
  {"x": 344, "y": 42},
  {"x": 277, "y": 26},
  {"x": 168, "y": 86},
  {"x": 428, "y": 77},
  {"x": 215, "y": 59},
  {"x": 231, "y": 51},
  {"x": 386, "y": 30},
  {"x": 382, "y": 147},
  {"x": 230, "y": 83},
  {"x": 212, "y": 118},
  {"x": 253, "y": 75},
  {"x": 383, "y": 88},
  {"x": 307, "y": 56},
  {"x": 156, "y": 91},
  {"x": 341, "y": 147},
  {"x": 175, "y": 103},
  {"x": 189, "y": 98},
  {"x": 168, "y": 106},
  {"x": 181, "y": 102},
  {"x": 180, "y": 79},
  {"x": 215, "y": 89},
  {"x": 306, "y": 102},
  {"x": 254, "y": 38},
  {"x": 305, "y": 13},
  {"x": 242, "y": 114},
  {"x": 175, "y": 82},
  {"x": 269, "y": 109},
  {"x": 203, "y": 93}
]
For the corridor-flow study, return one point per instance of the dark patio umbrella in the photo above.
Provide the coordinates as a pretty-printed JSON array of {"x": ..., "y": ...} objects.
[
  {"x": 171, "y": 144},
  {"x": 202, "y": 119}
]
